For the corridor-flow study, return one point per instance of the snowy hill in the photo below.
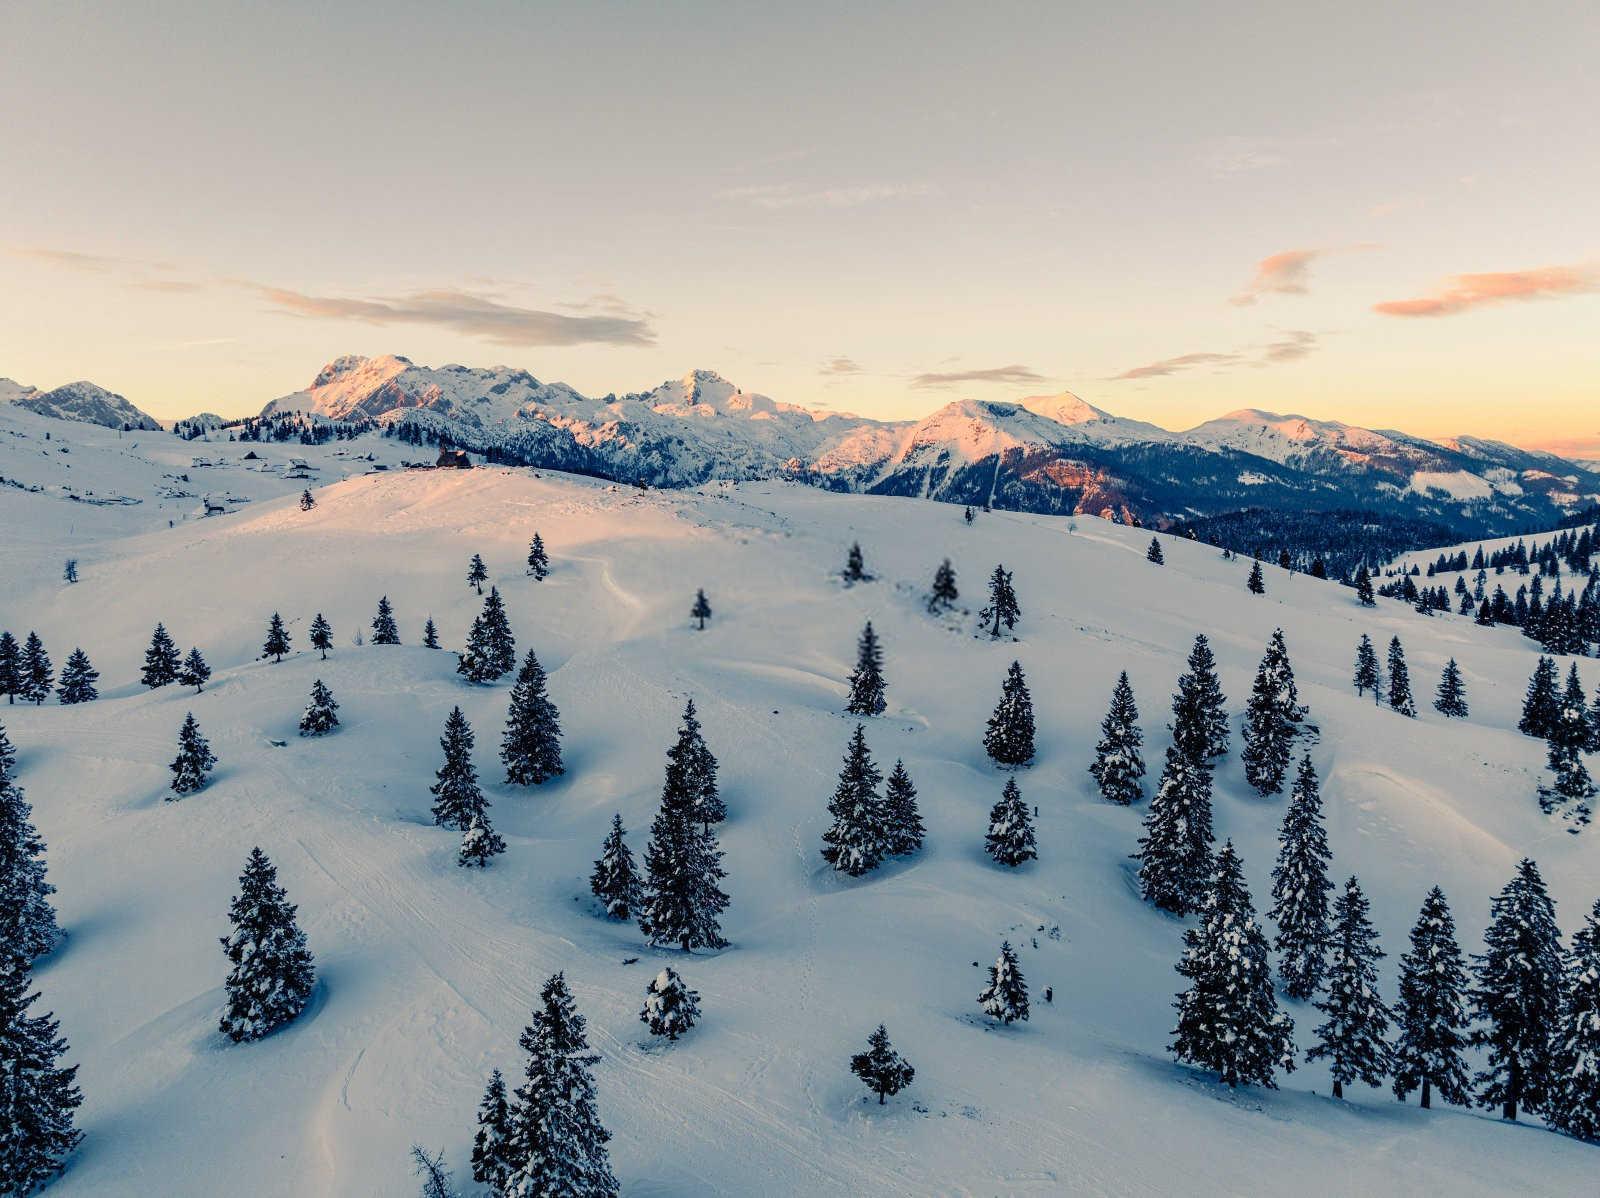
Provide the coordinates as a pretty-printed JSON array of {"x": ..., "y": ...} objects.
[
  {"x": 86, "y": 402},
  {"x": 427, "y": 972}
]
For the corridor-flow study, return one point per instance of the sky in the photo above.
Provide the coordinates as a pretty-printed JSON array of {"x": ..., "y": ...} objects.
[{"x": 1387, "y": 214}]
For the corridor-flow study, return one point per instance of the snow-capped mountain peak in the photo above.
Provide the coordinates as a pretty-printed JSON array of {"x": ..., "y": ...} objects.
[{"x": 85, "y": 402}]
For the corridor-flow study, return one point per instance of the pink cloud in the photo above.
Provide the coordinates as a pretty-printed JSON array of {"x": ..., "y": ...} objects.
[
  {"x": 1464, "y": 292},
  {"x": 1283, "y": 273}
]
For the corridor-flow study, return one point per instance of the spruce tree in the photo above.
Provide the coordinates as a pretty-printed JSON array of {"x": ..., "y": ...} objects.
[
  {"x": 161, "y": 663},
  {"x": 1300, "y": 889},
  {"x": 1199, "y": 709},
  {"x": 902, "y": 818},
  {"x": 1003, "y": 608},
  {"x": 1010, "y": 839},
  {"x": 884, "y": 1071},
  {"x": 321, "y": 715},
  {"x": 272, "y": 975},
  {"x": 1368, "y": 675},
  {"x": 558, "y": 1144},
  {"x": 27, "y": 920},
  {"x": 307, "y": 501},
  {"x": 1271, "y": 720},
  {"x": 1354, "y": 1039},
  {"x": 683, "y": 864},
  {"x": 480, "y": 841},
  {"x": 456, "y": 796},
  {"x": 1541, "y": 707},
  {"x": 1517, "y": 995},
  {"x": 1009, "y": 739},
  {"x": 1175, "y": 851},
  {"x": 866, "y": 681},
  {"x": 430, "y": 635},
  {"x": 1119, "y": 759},
  {"x": 321, "y": 635},
  {"x": 1400, "y": 680},
  {"x": 1256, "y": 584},
  {"x": 699, "y": 769},
  {"x": 37, "y": 674},
  {"x": 538, "y": 560},
  {"x": 1228, "y": 1018},
  {"x": 670, "y": 1007},
  {"x": 1574, "y": 1105},
  {"x": 1430, "y": 1014},
  {"x": 492, "y": 1148},
  {"x": 491, "y": 649},
  {"x": 194, "y": 672},
  {"x": 277, "y": 642},
  {"x": 11, "y": 683},
  {"x": 1364, "y": 595},
  {"x": 1451, "y": 699},
  {"x": 615, "y": 880},
  {"x": 855, "y": 566},
  {"x": 78, "y": 677},
  {"x": 701, "y": 610},
  {"x": 37, "y": 1094},
  {"x": 858, "y": 839},
  {"x": 1153, "y": 554},
  {"x": 943, "y": 596},
  {"x": 1006, "y": 996},
  {"x": 194, "y": 759},
  {"x": 1571, "y": 788},
  {"x": 477, "y": 573},
  {"x": 384, "y": 629}
]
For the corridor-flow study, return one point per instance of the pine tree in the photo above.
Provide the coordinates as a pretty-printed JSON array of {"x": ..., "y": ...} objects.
[
  {"x": 69, "y": 572},
  {"x": 37, "y": 1094},
  {"x": 701, "y": 610},
  {"x": 1569, "y": 734},
  {"x": 477, "y": 573},
  {"x": 1517, "y": 994},
  {"x": 277, "y": 642},
  {"x": 384, "y": 629},
  {"x": 491, "y": 1144},
  {"x": 194, "y": 759},
  {"x": 321, "y": 635},
  {"x": 538, "y": 560},
  {"x": 1199, "y": 709},
  {"x": 670, "y": 1006},
  {"x": 480, "y": 841},
  {"x": 1574, "y": 1105},
  {"x": 1228, "y": 1019},
  {"x": 1430, "y": 1014},
  {"x": 1010, "y": 839},
  {"x": 1399, "y": 680},
  {"x": 1009, "y": 739},
  {"x": 321, "y": 715},
  {"x": 456, "y": 795},
  {"x": 78, "y": 677},
  {"x": 436, "y": 1180},
  {"x": 430, "y": 635},
  {"x": 10, "y": 667},
  {"x": 884, "y": 1071},
  {"x": 1003, "y": 607},
  {"x": 558, "y": 1144},
  {"x": 700, "y": 769},
  {"x": 195, "y": 672},
  {"x": 27, "y": 920},
  {"x": 1271, "y": 720},
  {"x": 1300, "y": 889},
  {"x": 1451, "y": 700},
  {"x": 615, "y": 880},
  {"x": 1153, "y": 554},
  {"x": 1006, "y": 995},
  {"x": 1368, "y": 675},
  {"x": 858, "y": 838},
  {"x": 943, "y": 596},
  {"x": 531, "y": 746},
  {"x": 1354, "y": 1038},
  {"x": 160, "y": 660},
  {"x": 272, "y": 974},
  {"x": 855, "y": 566},
  {"x": 682, "y": 862},
  {"x": 491, "y": 649},
  {"x": 1541, "y": 707},
  {"x": 1175, "y": 851},
  {"x": 902, "y": 818},
  {"x": 307, "y": 502},
  {"x": 1256, "y": 584},
  {"x": 1119, "y": 758},
  {"x": 1364, "y": 595},
  {"x": 866, "y": 681},
  {"x": 37, "y": 674}
]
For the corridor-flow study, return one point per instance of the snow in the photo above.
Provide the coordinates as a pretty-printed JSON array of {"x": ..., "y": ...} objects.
[
  {"x": 1458, "y": 484},
  {"x": 427, "y": 972}
]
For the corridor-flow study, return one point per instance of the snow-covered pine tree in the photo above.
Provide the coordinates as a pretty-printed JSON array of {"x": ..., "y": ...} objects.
[
  {"x": 194, "y": 759},
  {"x": 682, "y": 862},
  {"x": 37, "y": 1094},
  {"x": 161, "y": 662},
  {"x": 558, "y": 1143},
  {"x": 701, "y": 610},
  {"x": 1430, "y": 1014},
  {"x": 700, "y": 768},
  {"x": 855, "y": 565},
  {"x": 1154, "y": 554},
  {"x": 615, "y": 880},
  {"x": 1271, "y": 720},
  {"x": 1541, "y": 707},
  {"x": 1256, "y": 584},
  {"x": 884, "y": 1071},
  {"x": 1574, "y": 1105},
  {"x": 1400, "y": 680},
  {"x": 866, "y": 681},
  {"x": 1119, "y": 758},
  {"x": 492, "y": 1148},
  {"x": 277, "y": 642},
  {"x": 384, "y": 629},
  {"x": 78, "y": 677},
  {"x": 902, "y": 817},
  {"x": 480, "y": 841},
  {"x": 477, "y": 573},
  {"x": 1364, "y": 595},
  {"x": 37, "y": 674},
  {"x": 670, "y": 1007},
  {"x": 1006, "y": 996},
  {"x": 272, "y": 974},
  {"x": 194, "y": 671},
  {"x": 1354, "y": 1039},
  {"x": 1517, "y": 995},
  {"x": 307, "y": 500},
  {"x": 1199, "y": 709},
  {"x": 1003, "y": 608},
  {"x": 1228, "y": 1018},
  {"x": 1451, "y": 699},
  {"x": 1009, "y": 739},
  {"x": 10, "y": 667},
  {"x": 1368, "y": 675},
  {"x": 858, "y": 839},
  {"x": 321, "y": 715},
  {"x": 491, "y": 649},
  {"x": 538, "y": 559},
  {"x": 1175, "y": 851},
  {"x": 456, "y": 795},
  {"x": 1571, "y": 788},
  {"x": 1300, "y": 889},
  {"x": 1010, "y": 840},
  {"x": 430, "y": 634},
  {"x": 321, "y": 635},
  {"x": 943, "y": 596},
  {"x": 27, "y": 920}
]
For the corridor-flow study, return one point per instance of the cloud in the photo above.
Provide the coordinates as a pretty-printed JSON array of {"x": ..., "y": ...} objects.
[
  {"x": 1291, "y": 346},
  {"x": 841, "y": 366},
  {"x": 73, "y": 260},
  {"x": 1013, "y": 374},
  {"x": 1283, "y": 273},
  {"x": 1580, "y": 447},
  {"x": 1462, "y": 293},
  {"x": 1227, "y": 156},
  {"x": 787, "y": 195},
  {"x": 464, "y": 312},
  {"x": 1168, "y": 366}
]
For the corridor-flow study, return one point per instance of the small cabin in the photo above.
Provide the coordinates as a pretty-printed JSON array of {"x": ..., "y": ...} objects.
[
  {"x": 251, "y": 456},
  {"x": 297, "y": 468},
  {"x": 454, "y": 457}
]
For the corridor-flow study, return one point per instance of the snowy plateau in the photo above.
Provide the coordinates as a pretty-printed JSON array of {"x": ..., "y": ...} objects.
[{"x": 426, "y": 972}]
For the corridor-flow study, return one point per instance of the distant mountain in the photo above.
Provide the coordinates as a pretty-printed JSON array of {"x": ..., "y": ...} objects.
[{"x": 81, "y": 401}]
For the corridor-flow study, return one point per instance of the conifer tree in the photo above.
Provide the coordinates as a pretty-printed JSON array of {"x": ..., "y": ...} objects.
[
  {"x": 943, "y": 596},
  {"x": 1451, "y": 699},
  {"x": 384, "y": 629},
  {"x": 37, "y": 1094},
  {"x": 701, "y": 610},
  {"x": 1571, "y": 787},
  {"x": 307, "y": 501},
  {"x": 277, "y": 642},
  {"x": 1271, "y": 720},
  {"x": 1009, "y": 739},
  {"x": 1368, "y": 675},
  {"x": 559, "y": 1145},
  {"x": 1228, "y": 1018},
  {"x": 538, "y": 560},
  {"x": 10, "y": 667},
  {"x": 194, "y": 759},
  {"x": 477, "y": 573},
  {"x": 1175, "y": 851},
  {"x": 480, "y": 841},
  {"x": 615, "y": 880},
  {"x": 670, "y": 1007},
  {"x": 160, "y": 660},
  {"x": 866, "y": 681},
  {"x": 1517, "y": 995},
  {"x": 1199, "y": 709},
  {"x": 530, "y": 749},
  {"x": 27, "y": 920},
  {"x": 1541, "y": 707},
  {"x": 902, "y": 818},
  {"x": 436, "y": 1179},
  {"x": 1364, "y": 595},
  {"x": 1119, "y": 759},
  {"x": 1300, "y": 889},
  {"x": 700, "y": 769},
  {"x": 321, "y": 715},
  {"x": 69, "y": 572},
  {"x": 321, "y": 635},
  {"x": 78, "y": 677},
  {"x": 884, "y": 1071},
  {"x": 1006, "y": 996},
  {"x": 194, "y": 672},
  {"x": 1256, "y": 584},
  {"x": 683, "y": 864},
  {"x": 272, "y": 974},
  {"x": 37, "y": 673},
  {"x": 855, "y": 565},
  {"x": 1400, "y": 680},
  {"x": 1153, "y": 554},
  {"x": 1010, "y": 839},
  {"x": 1003, "y": 608},
  {"x": 456, "y": 796},
  {"x": 858, "y": 838},
  {"x": 430, "y": 634},
  {"x": 1430, "y": 1014},
  {"x": 1354, "y": 1039},
  {"x": 491, "y": 649},
  {"x": 491, "y": 1144},
  {"x": 1574, "y": 1105}
]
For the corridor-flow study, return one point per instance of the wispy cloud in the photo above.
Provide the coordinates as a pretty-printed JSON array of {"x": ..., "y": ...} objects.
[
  {"x": 1166, "y": 366},
  {"x": 1290, "y": 346},
  {"x": 840, "y": 366},
  {"x": 1283, "y": 273},
  {"x": 1013, "y": 374},
  {"x": 74, "y": 260},
  {"x": 1462, "y": 293},
  {"x": 790, "y": 195},
  {"x": 1224, "y": 157}
]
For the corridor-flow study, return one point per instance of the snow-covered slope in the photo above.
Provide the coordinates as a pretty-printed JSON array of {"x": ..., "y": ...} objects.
[
  {"x": 86, "y": 402},
  {"x": 427, "y": 972}
]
